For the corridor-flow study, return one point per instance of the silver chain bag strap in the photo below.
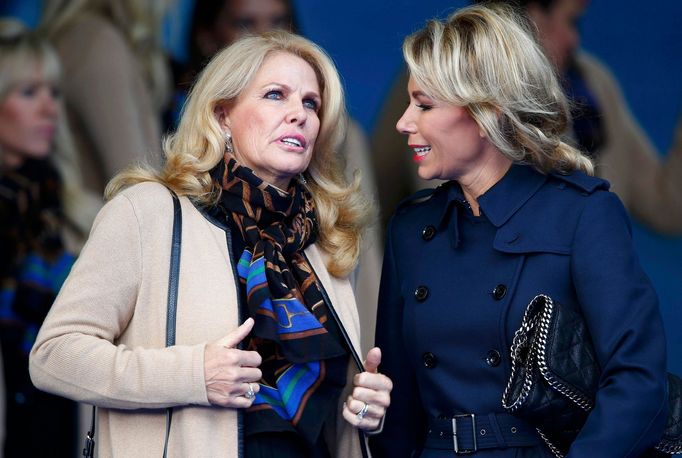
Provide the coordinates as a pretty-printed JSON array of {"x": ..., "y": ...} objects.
[{"x": 555, "y": 376}]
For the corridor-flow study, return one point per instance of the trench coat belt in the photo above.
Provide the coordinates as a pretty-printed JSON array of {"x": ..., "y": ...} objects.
[{"x": 468, "y": 433}]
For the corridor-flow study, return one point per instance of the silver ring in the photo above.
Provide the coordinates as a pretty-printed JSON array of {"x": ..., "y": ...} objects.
[
  {"x": 250, "y": 394},
  {"x": 363, "y": 411}
]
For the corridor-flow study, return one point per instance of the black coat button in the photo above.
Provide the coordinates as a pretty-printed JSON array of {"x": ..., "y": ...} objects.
[
  {"x": 430, "y": 360},
  {"x": 421, "y": 293},
  {"x": 493, "y": 358},
  {"x": 428, "y": 232},
  {"x": 499, "y": 291}
]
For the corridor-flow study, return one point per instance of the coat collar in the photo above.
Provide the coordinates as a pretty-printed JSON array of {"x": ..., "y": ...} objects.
[
  {"x": 509, "y": 194},
  {"x": 502, "y": 200}
]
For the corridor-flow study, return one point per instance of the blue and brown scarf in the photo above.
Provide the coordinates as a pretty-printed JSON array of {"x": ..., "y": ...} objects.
[{"x": 282, "y": 290}]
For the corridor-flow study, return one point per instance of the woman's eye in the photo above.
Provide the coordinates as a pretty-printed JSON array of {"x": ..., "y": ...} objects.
[
  {"x": 424, "y": 107},
  {"x": 311, "y": 103},
  {"x": 274, "y": 95},
  {"x": 29, "y": 91}
]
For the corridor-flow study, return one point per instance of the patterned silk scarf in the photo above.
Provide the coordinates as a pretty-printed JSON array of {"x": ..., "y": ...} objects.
[{"x": 283, "y": 295}]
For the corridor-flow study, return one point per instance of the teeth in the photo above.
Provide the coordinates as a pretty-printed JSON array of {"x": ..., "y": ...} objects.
[
  {"x": 422, "y": 151},
  {"x": 292, "y": 141}
]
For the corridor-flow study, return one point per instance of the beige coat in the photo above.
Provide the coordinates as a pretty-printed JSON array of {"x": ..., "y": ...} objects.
[
  {"x": 103, "y": 340},
  {"x": 649, "y": 188},
  {"x": 367, "y": 275},
  {"x": 110, "y": 108}
]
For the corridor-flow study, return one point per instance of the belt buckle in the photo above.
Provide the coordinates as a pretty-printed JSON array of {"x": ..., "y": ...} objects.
[{"x": 464, "y": 451}]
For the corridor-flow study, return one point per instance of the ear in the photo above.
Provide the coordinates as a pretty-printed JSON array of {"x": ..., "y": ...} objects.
[{"x": 222, "y": 115}]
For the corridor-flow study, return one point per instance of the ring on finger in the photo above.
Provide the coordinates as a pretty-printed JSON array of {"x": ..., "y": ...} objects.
[
  {"x": 250, "y": 394},
  {"x": 361, "y": 414}
]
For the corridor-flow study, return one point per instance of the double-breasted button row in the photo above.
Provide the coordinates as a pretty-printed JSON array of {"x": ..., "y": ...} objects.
[
  {"x": 430, "y": 360},
  {"x": 421, "y": 293}
]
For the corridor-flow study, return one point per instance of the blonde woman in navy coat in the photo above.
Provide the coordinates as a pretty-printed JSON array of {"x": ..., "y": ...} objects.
[{"x": 521, "y": 215}]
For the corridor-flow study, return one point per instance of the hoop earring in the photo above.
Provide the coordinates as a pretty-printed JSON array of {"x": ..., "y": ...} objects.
[{"x": 228, "y": 142}]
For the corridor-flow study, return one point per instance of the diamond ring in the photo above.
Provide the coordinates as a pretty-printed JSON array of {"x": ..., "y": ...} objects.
[
  {"x": 363, "y": 411},
  {"x": 250, "y": 394}
]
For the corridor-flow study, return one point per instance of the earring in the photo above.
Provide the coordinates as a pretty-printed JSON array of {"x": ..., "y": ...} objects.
[{"x": 228, "y": 142}]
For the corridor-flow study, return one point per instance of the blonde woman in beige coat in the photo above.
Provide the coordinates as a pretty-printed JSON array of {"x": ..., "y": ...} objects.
[{"x": 270, "y": 232}]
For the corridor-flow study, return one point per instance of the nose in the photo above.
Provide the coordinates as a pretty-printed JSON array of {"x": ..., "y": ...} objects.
[
  {"x": 405, "y": 125},
  {"x": 297, "y": 113},
  {"x": 48, "y": 104}
]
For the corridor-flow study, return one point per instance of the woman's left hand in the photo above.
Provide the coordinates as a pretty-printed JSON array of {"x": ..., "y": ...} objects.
[{"x": 371, "y": 395}]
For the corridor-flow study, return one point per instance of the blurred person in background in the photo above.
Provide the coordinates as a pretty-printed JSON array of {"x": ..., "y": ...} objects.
[
  {"x": 216, "y": 24},
  {"x": 45, "y": 217},
  {"x": 117, "y": 80}
]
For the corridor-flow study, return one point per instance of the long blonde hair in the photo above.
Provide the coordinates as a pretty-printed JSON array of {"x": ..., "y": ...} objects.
[
  {"x": 21, "y": 52},
  {"x": 486, "y": 59},
  {"x": 198, "y": 145}
]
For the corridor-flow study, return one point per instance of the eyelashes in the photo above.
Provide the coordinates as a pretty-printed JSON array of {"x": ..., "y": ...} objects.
[{"x": 277, "y": 94}]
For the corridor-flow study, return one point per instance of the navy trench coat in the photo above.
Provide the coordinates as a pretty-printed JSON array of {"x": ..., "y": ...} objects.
[{"x": 566, "y": 236}]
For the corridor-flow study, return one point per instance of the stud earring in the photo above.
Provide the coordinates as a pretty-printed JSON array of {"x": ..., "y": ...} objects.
[{"x": 228, "y": 142}]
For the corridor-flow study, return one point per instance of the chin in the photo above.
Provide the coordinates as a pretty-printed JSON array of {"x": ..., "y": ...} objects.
[{"x": 426, "y": 174}]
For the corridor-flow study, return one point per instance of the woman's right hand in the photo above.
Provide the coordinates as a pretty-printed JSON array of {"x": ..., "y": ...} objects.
[{"x": 231, "y": 373}]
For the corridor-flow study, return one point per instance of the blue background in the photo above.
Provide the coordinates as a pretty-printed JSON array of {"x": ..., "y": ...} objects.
[{"x": 640, "y": 41}]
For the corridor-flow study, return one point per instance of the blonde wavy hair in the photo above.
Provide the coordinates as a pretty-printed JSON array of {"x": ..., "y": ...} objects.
[
  {"x": 22, "y": 52},
  {"x": 485, "y": 58},
  {"x": 198, "y": 145}
]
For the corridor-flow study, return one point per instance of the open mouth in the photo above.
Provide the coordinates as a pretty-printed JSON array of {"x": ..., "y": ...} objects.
[
  {"x": 420, "y": 152},
  {"x": 293, "y": 141}
]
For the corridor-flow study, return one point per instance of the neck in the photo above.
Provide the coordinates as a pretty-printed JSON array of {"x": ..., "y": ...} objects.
[{"x": 475, "y": 183}]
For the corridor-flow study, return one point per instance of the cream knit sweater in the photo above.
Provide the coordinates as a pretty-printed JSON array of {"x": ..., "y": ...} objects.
[{"x": 103, "y": 341}]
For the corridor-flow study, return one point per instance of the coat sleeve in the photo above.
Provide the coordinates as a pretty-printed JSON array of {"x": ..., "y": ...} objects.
[
  {"x": 106, "y": 93},
  {"x": 621, "y": 309},
  {"x": 405, "y": 422},
  {"x": 76, "y": 354}
]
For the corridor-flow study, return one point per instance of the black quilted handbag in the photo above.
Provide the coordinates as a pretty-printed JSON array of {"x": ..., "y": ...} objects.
[{"x": 555, "y": 376}]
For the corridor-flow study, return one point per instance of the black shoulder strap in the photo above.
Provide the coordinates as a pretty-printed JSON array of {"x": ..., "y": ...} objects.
[
  {"x": 174, "y": 272},
  {"x": 173, "y": 280}
]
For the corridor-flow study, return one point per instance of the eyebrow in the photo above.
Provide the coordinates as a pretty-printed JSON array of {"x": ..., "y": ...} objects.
[
  {"x": 416, "y": 94},
  {"x": 288, "y": 88}
]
